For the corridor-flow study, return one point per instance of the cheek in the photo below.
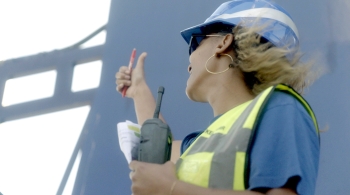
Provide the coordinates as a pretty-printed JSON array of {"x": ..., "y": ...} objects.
[
  {"x": 197, "y": 69},
  {"x": 198, "y": 75},
  {"x": 198, "y": 62}
]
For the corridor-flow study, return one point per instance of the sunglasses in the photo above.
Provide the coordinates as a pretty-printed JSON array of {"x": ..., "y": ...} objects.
[{"x": 196, "y": 40}]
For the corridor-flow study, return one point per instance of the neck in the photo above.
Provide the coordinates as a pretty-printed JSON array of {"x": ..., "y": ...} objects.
[{"x": 229, "y": 94}]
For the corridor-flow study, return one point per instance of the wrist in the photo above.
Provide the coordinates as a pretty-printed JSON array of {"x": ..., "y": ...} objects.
[{"x": 141, "y": 90}]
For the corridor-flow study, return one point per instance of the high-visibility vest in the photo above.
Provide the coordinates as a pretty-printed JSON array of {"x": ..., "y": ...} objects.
[{"x": 219, "y": 157}]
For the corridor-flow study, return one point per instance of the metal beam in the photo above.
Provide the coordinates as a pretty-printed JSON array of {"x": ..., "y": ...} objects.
[{"x": 63, "y": 61}]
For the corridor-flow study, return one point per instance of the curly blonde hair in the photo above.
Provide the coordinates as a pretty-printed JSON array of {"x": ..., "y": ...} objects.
[{"x": 264, "y": 65}]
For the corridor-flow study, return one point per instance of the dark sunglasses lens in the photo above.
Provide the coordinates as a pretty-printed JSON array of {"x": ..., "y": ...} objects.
[
  {"x": 195, "y": 40},
  {"x": 193, "y": 44}
]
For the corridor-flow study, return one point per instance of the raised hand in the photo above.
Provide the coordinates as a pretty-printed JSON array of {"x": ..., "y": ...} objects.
[{"x": 134, "y": 79}]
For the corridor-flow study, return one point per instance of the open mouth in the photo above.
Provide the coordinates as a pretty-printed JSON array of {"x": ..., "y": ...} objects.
[{"x": 189, "y": 69}]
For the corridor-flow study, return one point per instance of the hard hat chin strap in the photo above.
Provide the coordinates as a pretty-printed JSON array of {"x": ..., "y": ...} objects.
[{"x": 231, "y": 65}]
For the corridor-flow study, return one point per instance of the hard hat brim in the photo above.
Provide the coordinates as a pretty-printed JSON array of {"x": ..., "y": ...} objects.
[{"x": 197, "y": 29}]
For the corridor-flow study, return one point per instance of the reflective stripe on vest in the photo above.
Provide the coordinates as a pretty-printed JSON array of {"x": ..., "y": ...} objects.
[{"x": 219, "y": 157}]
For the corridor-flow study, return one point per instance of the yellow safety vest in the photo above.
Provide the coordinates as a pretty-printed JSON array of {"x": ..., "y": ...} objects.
[{"x": 219, "y": 157}]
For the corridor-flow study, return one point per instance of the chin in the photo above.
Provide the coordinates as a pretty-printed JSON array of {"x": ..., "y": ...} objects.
[
  {"x": 187, "y": 93},
  {"x": 191, "y": 95}
]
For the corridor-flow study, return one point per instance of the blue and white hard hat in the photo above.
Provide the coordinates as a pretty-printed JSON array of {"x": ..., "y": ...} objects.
[{"x": 279, "y": 29}]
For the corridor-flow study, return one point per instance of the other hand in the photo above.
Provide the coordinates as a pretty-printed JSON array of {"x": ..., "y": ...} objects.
[{"x": 155, "y": 179}]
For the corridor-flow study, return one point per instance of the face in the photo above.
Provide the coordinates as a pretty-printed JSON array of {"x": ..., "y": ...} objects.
[{"x": 198, "y": 81}]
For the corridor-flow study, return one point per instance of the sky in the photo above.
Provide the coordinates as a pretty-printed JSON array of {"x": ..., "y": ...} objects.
[
  {"x": 33, "y": 158},
  {"x": 35, "y": 26}
]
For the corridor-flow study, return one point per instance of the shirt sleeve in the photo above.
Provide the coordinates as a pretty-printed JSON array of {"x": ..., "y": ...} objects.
[
  {"x": 188, "y": 140},
  {"x": 285, "y": 152}
]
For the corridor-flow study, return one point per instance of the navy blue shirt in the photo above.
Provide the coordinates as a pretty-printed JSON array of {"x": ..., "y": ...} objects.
[{"x": 286, "y": 149}]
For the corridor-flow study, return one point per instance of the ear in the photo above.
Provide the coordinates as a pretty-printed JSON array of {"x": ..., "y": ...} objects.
[{"x": 224, "y": 45}]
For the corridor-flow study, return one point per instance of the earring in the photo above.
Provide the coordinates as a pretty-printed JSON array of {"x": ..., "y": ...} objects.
[{"x": 229, "y": 66}]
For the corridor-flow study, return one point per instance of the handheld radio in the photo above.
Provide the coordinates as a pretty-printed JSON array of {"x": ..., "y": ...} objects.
[{"x": 156, "y": 138}]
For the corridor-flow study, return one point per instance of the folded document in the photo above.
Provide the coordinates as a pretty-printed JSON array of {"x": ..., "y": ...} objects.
[{"x": 129, "y": 139}]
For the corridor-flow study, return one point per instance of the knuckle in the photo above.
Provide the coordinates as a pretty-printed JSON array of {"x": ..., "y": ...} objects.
[
  {"x": 123, "y": 76},
  {"x": 141, "y": 168},
  {"x": 132, "y": 176},
  {"x": 122, "y": 68}
]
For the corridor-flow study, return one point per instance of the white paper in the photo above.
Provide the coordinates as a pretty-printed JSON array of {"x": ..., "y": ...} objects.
[{"x": 129, "y": 139}]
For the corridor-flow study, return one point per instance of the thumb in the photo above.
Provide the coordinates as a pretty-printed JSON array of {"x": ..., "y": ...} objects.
[
  {"x": 141, "y": 61},
  {"x": 169, "y": 164}
]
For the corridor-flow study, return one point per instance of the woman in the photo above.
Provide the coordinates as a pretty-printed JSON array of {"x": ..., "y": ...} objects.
[{"x": 264, "y": 136}]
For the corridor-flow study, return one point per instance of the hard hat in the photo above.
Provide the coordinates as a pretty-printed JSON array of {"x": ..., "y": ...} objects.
[{"x": 279, "y": 28}]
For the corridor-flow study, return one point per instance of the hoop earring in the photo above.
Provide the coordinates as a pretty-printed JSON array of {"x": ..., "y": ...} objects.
[{"x": 229, "y": 66}]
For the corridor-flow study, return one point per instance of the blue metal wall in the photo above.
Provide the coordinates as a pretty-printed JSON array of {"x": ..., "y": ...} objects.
[{"x": 154, "y": 26}]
